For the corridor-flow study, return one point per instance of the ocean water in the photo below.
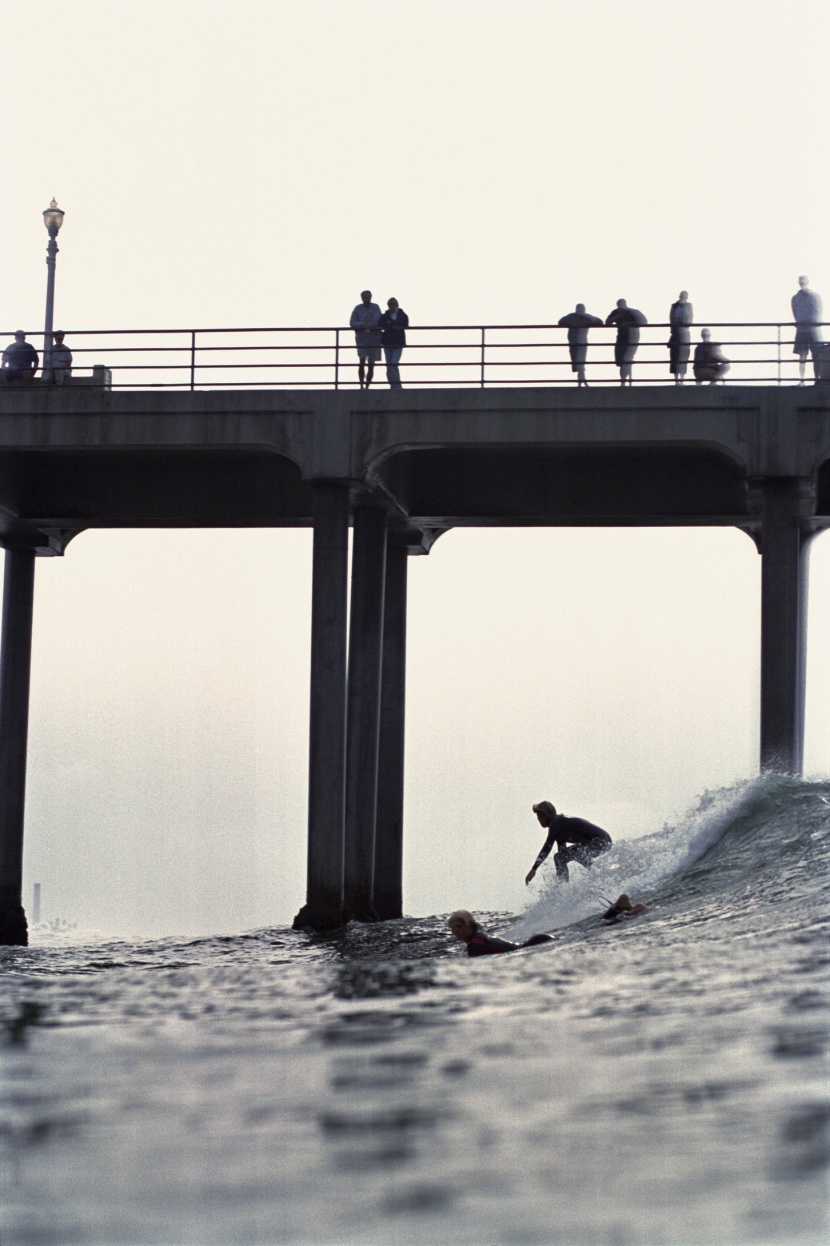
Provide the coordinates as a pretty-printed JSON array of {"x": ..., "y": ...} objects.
[{"x": 660, "y": 1082}]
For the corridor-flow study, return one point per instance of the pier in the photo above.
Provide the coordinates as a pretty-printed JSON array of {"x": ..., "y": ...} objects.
[{"x": 399, "y": 468}]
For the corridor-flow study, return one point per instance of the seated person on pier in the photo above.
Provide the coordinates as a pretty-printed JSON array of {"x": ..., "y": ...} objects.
[
  {"x": 20, "y": 360},
  {"x": 588, "y": 841},
  {"x": 710, "y": 364},
  {"x": 465, "y": 927}
]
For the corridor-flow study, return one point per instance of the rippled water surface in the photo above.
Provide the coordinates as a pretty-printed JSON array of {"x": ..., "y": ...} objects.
[{"x": 662, "y": 1081}]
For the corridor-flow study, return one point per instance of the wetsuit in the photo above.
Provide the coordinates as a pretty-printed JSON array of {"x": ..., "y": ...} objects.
[
  {"x": 588, "y": 842},
  {"x": 483, "y": 944}
]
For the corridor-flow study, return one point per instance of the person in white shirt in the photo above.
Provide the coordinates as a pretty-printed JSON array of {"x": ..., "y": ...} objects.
[
  {"x": 61, "y": 359},
  {"x": 365, "y": 320}
]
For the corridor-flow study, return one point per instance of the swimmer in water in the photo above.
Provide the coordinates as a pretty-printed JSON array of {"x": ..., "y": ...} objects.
[
  {"x": 623, "y": 908},
  {"x": 588, "y": 841},
  {"x": 465, "y": 927}
]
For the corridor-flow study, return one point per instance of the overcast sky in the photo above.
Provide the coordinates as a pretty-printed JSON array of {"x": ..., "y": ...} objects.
[{"x": 254, "y": 163}]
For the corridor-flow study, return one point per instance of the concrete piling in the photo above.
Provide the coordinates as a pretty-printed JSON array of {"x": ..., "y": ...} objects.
[
  {"x": 327, "y": 720},
  {"x": 15, "y": 670},
  {"x": 363, "y": 717},
  {"x": 388, "y": 892},
  {"x": 784, "y": 551}
]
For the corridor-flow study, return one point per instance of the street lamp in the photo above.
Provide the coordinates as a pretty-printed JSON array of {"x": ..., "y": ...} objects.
[{"x": 52, "y": 219}]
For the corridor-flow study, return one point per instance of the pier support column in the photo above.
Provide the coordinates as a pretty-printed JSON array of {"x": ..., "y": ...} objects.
[
  {"x": 323, "y": 909},
  {"x": 365, "y": 647},
  {"x": 15, "y": 668},
  {"x": 784, "y": 553},
  {"x": 389, "y": 832}
]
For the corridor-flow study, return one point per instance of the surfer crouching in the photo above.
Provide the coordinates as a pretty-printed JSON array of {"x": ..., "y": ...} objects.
[
  {"x": 588, "y": 841},
  {"x": 465, "y": 927}
]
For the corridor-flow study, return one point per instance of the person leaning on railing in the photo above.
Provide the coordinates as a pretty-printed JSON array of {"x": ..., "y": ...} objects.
[
  {"x": 20, "y": 360},
  {"x": 578, "y": 323},
  {"x": 627, "y": 320},
  {"x": 709, "y": 364}
]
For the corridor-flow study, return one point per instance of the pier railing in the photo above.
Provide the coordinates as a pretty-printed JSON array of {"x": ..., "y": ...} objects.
[{"x": 436, "y": 356}]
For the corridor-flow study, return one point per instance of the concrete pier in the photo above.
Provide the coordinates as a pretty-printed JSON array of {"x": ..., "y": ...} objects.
[
  {"x": 388, "y": 890},
  {"x": 363, "y": 718},
  {"x": 15, "y": 668},
  {"x": 415, "y": 463}
]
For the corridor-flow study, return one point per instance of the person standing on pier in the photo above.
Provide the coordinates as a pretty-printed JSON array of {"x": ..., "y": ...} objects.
[
  {"x": 61, "y": 359},
  {"x": 393, "y": 325},
  {"x": 627, "y": 320},
  {"x": 679, "y": 343},
  {"x": 807, "y": 314},
  {"x": 578, "y": 323},
  {"x": 587, "y": 841},
  {"x": 365, "y": 320}
]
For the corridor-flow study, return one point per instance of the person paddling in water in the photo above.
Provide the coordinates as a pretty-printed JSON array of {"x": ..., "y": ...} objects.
[
  {"x": 588, "y": 841},
  {"x": 465, "y": 927},
  {"x": 623, "y": 908}
]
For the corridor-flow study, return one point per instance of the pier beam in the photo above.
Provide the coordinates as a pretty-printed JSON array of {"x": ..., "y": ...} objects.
[
  {"x": 15, "y": 670},
  {"x": 389, "y": 827},
  {"x": 323, "y": 909},
  {"x": 784, "y": 553},
  {"x": 365, "y": 651}
]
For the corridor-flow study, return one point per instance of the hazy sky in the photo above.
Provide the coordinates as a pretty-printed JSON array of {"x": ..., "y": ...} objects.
[{"x": 256, "y": 163}]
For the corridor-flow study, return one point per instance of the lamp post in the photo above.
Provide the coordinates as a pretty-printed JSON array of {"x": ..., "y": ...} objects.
[{"x": 52, "y": 219}]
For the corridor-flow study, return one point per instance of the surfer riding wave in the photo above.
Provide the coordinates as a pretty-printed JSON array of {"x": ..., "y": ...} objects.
[{"x": 576, "y": 840}]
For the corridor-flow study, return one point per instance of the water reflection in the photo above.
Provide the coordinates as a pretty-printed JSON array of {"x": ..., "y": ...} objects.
[
  {"x": 391, "y": 1070},
  {"x": 366, "y": 980},
  {"x": 365, "y": 1132},
  {"x": 380, "y": 1026}
]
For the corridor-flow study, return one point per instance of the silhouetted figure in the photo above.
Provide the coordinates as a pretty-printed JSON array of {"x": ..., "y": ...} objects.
[
  {"x": 393, "y": 326},
  {"x": 578, "y": 323},
  {"x": 465, "y": 927},
  {"x": 61, "y": 360},
  {"x": 365, "y": 320},
  {"x": 589, "y": 841},
  {"x": 680, "y": 317},
  {"x": 20, "y": 360},
  {"x": 807, "y": 314},
  {"x": 627, "y": 320},
  {"x": 623, "y": 908},
  {"x": 709, "y": 364}
]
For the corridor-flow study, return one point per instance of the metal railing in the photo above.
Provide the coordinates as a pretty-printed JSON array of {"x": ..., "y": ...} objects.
[{"x": 443, "y": 356}]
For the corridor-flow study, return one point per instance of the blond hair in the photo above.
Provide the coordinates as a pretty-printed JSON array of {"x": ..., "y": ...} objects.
[{"x": 462, "y": 915}]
